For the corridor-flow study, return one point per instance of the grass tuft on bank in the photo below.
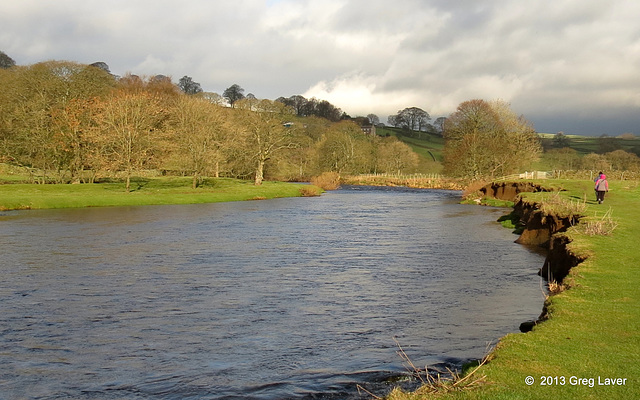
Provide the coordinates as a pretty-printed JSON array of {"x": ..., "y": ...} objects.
[
  {"x": 590, "y": 347},
  {"x": 145, "y": 191}
]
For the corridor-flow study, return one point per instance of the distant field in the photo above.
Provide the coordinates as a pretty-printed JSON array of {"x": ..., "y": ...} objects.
[
  {"x": 429, "y": 147},
  {"x": 592, "y": 144}
]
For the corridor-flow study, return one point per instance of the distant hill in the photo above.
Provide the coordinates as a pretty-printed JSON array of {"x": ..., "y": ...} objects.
[
  {"x": 428, "y": 146},
  {"x": 591, "y": 144}
]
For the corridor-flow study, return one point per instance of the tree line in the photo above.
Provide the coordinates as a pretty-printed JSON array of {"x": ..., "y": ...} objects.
[{"x": 71, "y": 122}]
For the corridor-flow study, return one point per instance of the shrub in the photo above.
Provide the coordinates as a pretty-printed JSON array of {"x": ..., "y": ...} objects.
[
  {"x": 310, "y": 191},
  {"x": 327, "y": 181}
]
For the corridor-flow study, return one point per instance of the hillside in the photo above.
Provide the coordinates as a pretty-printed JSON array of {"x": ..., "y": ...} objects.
[
  {"x": 427, "y": 145},
  {"x": 592, "y": 144}
]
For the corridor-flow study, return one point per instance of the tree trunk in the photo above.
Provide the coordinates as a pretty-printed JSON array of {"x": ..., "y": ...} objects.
[{"x": 259, "y": 173}]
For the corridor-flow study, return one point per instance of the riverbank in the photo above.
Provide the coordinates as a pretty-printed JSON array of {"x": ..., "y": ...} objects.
[
  {"x": 416, "y": 181},
  {"x": 589, "y": 346},
  {"x": 145, "y": 191}
]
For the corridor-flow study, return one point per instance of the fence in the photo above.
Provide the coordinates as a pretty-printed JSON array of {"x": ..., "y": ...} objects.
[{"x": 526, "y": 175}]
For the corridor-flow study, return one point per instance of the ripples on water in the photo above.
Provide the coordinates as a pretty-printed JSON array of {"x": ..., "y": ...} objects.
[{"x": 286, "y": 298}]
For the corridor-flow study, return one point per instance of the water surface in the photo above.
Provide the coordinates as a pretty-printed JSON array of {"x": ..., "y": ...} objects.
[{"x": 287, "y": 298}]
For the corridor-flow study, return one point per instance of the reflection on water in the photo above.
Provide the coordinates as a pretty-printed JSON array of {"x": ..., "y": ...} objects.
[{"x": 278, "y": 299}]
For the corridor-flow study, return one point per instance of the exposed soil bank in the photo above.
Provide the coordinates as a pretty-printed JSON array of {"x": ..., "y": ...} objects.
[
  {"x": 547, "y": 230},
  {"x": 510, "y": 190},
  {"x": 540, "y": 229}
]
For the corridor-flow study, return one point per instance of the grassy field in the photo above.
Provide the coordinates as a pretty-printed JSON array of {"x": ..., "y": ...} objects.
[
  {"x": 591, "y": 339},
  {"x": 144, "y": 192},
  {"x": 592, "y": 144}
]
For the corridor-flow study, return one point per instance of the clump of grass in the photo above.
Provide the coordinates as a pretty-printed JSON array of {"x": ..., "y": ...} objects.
[
  {"x": 600, "y": 226},
  {"x": 555, "y": 287},
  {"x": 327, "y": 181},
  {"x": 436, "y": 382},
  {"x": 512, "y": 221},
  {"x": 560, "y": 205}
]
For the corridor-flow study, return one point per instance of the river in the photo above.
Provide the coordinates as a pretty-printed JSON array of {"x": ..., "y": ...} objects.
[{"x": 281, "y": 299}]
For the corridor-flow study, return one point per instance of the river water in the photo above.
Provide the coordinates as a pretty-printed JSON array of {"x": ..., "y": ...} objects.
[{"x": 279, "y": 299}]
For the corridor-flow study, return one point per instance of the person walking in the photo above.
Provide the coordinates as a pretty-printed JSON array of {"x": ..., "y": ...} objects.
[{"x": 602, "y": 186}]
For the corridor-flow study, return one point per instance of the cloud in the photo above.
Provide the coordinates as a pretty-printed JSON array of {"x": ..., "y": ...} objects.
[{"x": 557, "y": 61}]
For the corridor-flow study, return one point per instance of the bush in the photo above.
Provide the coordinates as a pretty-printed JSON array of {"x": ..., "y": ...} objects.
[
  {"x": 310, "y": 191},
  {"x": 327, "y": 181}
]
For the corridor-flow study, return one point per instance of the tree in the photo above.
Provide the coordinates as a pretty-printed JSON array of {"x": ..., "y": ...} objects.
[
  {"x": 439, "y": 125},
  {"x": 519, "y": 144},
  {"x": 188, "y": 86},
  {"x": 297, "y": 102},
  {"x": 607, "y": 144},
  {"x": 324, "y": 109},
  {"x": 233, "y": 94},
  {"x": 6, "y": 62},
  {"x": 101, "y": 65},
  {"x": 35, "y": 105},
  {"x": 621, "y": 160},
  {"x": 395, "y": 156},
  {"x": 344, "y": 149},
  {"x": 412, "y": 118},
  {"x": 73, "y": 126},
  {"x": 595, "y": 162},
  {"x": 485, "y": 140},
  {"x": 213, "y": 98},
  {"x": 199, "y": 129},
  {"x": 564, "y": 158},
  {"x": 373, "y": 119},
  {"x": 131, "y": 125},
  {"x": 560, "y": 140},
  {"x": 264, "y": 131}
]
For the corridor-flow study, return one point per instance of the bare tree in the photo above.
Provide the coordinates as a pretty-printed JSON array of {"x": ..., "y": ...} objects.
[
  {"x": 485, "y": 139},
  {"x": 199, "y": 130},
  {"x": 264, "y": 131},
  {"x": 373, "y": 119},
  {"x": 131, "y": 123}
]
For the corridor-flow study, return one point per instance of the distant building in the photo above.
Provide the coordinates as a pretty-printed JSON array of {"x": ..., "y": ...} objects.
[{"x": 368, "y": 129}]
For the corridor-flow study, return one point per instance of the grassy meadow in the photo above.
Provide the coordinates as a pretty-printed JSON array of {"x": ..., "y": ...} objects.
[
  {"x": 592, "y": 144},
  {"x": 145, "y": 191},
  {"x": 591, "y": 339}
]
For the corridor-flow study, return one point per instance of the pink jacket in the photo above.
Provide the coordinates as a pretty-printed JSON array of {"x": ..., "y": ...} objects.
[{"x": 601, "y": 184}]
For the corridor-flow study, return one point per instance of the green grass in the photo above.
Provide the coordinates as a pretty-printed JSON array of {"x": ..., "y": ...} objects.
[
  {"x": 591, "y": 144},
  {"x": 593, "y": 329},
  {"x": 427, "y": 146},
  {"x": 144, "y": 192}
]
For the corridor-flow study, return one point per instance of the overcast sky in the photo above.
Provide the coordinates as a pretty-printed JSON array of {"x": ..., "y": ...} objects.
[{"x": 566, "y": 65}]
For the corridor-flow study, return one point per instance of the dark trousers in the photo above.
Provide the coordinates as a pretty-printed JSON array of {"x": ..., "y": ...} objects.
[{"x": 600, "y": 195}]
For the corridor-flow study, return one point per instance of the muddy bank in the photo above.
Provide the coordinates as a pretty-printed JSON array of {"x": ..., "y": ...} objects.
[
  {"x": 510, "y": 190},
  {"x": 548, "y": 230},
  {"x": 540, "y": 228}
]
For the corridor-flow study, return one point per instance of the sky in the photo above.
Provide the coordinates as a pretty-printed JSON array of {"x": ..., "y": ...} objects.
[{"x": 569, "y": 66}]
